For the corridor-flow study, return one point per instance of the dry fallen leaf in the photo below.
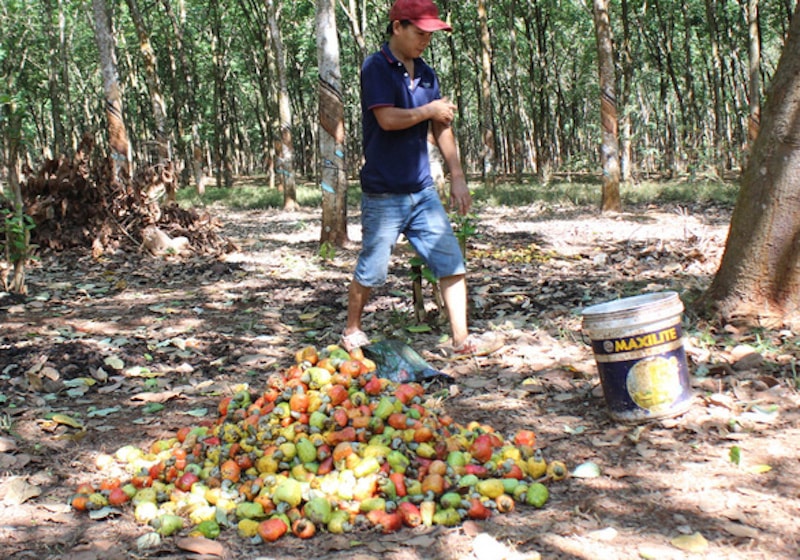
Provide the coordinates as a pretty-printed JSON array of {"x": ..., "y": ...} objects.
[
  {"x": 588, "y": 469},
  {"x": 7, "y": 444},
  {"x": 17, "y": 491},
  {"x": 96, "y": 550},
  {"x": 50, "y": 373},
  {"x": 607, "y": 534},
  {"x": 9, "y": 461},
  {"x": 34, "y": 381},
  {"x": 66, "y": 420},
  {"x": 152, "y": 397},
  {"x": 602, "y": 441},
  {"x": 486, "y": 547},
  {"x": 646, "y": 451},
  {"x": 422, "y": 541},
  {"x": 740, "y": 530},
  {"x": 148, "y": 541},
  {"x": 690, "y": 543},
  {"x": 201, "y": 545}
]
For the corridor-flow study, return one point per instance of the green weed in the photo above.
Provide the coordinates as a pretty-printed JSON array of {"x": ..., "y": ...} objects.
[
  {"x": 17, "y": 229},
  {"x": 254, "y": 193},
  {"x": 250, "y": 193}
]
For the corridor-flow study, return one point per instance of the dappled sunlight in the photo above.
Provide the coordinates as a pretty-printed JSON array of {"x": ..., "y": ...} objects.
[{"x": 187, "y": 331}]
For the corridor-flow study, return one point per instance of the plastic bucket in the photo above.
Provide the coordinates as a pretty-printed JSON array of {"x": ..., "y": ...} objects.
[{"x": 638, "y": 346}]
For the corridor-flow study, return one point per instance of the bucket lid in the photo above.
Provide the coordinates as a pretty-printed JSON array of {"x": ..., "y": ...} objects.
[{"x": 624, "y": 306}]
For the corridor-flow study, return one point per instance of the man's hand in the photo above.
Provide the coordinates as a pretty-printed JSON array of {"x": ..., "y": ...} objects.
[
  {"x": 460, "y": 198},
  {"x": 442, "y": 111}
]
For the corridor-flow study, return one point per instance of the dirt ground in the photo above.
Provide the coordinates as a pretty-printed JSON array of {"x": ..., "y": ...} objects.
[{"x": 133, "y": 347}]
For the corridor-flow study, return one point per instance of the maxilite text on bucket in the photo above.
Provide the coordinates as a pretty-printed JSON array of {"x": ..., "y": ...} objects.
[{"x": 638, "y": 342}]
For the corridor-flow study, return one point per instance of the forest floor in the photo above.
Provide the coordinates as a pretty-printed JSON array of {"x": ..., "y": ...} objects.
[{"x": 162, "y": 339}]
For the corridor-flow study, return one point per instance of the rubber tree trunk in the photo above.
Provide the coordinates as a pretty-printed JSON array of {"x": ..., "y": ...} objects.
[
  {"x": 185, "y": 117},
  {"x": 754, "y": 71},
  {"x": 17, "y": 236},
  {"x": 162, "y": 153},
  {"x": 333, "y": 179},
  {"x": 625, "y": 141},
  {"x": 54, "y": 17},
  {"x": 117, "y": 133},
  {"x": 487, "y": 124},
  {"x": 286, "y": 148},
  {"x": 758, "y": 282},
  {"x": 609, "y": 149}
]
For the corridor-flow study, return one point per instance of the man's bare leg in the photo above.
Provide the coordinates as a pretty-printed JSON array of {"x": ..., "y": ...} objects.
[
  {"x": 454, "y": 292},
  {"x": 356, "y": 301}
]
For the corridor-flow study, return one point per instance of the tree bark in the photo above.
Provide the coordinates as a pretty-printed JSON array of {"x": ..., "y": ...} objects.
[
  {"x": 536, "y": 28},
  {"x": 758, "y": 282},
  {"x": 754, "y": 71},
  {"x": 487, "y": 124},
  {"x": 285, "y": 157},
  {"x": 164, "y": 163},
  {"x": 356, "y": 13},
  {"x": 609, "y": 150},
  {"x": 663, "y": 49},
  {"x": 71, "y": 134},
  {"x": 519, "y": 116},
  {"x": 716, "y": 77},
  {"x": 456, "y": 88},
  {"x": 117, "y": 133},
  {"x": 625, "y": 141},
  {"x": 222, "y": 157},
  {"x": 18, "y": 237},
  {"x": 333, "y": 179},
  {"x": 184, "y": 89},
  {"x": 55, "y": 89}
]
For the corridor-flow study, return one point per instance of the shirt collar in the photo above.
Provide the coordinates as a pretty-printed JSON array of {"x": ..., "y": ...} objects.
[{"x": 390, "y": 58}]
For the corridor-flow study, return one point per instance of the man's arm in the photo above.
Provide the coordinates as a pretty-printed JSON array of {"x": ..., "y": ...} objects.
[
  {"x": 396, "y": 118},
  {"x": 460, "y": 197}
]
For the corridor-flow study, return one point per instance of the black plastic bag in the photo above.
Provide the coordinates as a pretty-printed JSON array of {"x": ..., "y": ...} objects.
[{"x": 399, "y": 362}]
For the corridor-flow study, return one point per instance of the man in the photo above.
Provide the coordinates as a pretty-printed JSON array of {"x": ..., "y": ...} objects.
[{"x": 400, "y": 102}]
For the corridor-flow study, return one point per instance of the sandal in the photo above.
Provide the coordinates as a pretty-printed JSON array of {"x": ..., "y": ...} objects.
[
  {"x": 355, "y": 339},
  {"x": 475, "y": 345}
]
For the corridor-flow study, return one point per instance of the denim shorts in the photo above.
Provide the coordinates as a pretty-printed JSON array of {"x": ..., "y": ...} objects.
[{"x": 422, "y": 219}]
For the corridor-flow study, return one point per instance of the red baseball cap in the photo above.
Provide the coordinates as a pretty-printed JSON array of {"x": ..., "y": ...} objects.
[{"x": 422, "y": 13}]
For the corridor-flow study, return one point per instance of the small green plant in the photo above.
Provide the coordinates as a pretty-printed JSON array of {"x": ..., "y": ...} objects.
[
  {"x": 5, "y": 421},
  {"x": 763, "y": 344},
  {"x": 464, "y": 228},
  {"x": 327, "y": 251},
  {"x": 400, "y": 317},
  {"x": 17, "y": 235},
  {"x": 424, "y": 273},
  {"x": 16, "y": 245}
]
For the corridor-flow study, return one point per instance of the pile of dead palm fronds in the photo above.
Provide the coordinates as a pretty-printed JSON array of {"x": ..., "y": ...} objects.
[{"x": 87, "y": 202}]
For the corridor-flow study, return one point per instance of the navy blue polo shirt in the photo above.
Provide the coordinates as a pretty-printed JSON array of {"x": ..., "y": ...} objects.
[{"x": 395, "y": 161}]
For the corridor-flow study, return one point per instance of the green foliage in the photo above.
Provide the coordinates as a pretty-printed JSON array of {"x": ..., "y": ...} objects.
[
  {"x": 584, "y": 190},
  {"x": 17, "y": 228},
  {"x": 464, "y": 228},
  {"x": 327, "y": 251},
  {"x": 735, "y": 454},
  {"x": 425, "y": 273},
  {"x": 254, "y": 193},
  {"x": 681, "y": 192},
  {"x": 544, "y": 78}
]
